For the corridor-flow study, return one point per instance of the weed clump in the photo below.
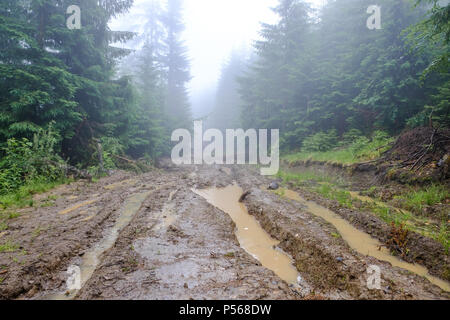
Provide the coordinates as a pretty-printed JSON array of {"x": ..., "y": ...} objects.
[{"x": 398, "y": 240}]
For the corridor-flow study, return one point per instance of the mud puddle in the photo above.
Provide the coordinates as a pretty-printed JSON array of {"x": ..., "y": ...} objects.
[
  {"x": 361, "y": 241},
  {"x": 251, "y": 236},
  {"x": 91, "y": 259}
]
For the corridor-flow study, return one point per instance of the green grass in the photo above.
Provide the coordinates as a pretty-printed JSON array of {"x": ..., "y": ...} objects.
[
  {"x": 343, "y": 197},
  {"x": 300, "y": 177},
  {"x": 4, "y": 217},
  {"x": 23, "y": 197},
  {"x": 344, "y": 156},
  {"x": 416, "y": 200},
  {"x": 359, "y": 151},
  {"x": 8, "y": 247},
  {"x": 390, "y": 215},
  {"x": 443, "y": 236}
]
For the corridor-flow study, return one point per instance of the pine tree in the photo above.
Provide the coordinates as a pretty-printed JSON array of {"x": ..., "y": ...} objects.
[
  {"x": 50, "y": 73},
  {"x": 269, "y": 94},
  {"x": 177, "y": 68}
]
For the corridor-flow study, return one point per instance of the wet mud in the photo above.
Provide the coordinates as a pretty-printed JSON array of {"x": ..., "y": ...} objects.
[
  {"x": 249, "y": 233},
  {"x": 181, "y": 233}
]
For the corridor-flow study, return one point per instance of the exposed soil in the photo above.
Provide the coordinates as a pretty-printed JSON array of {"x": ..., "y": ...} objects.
[
  {"x": 46, "y": 238},
  {"x": 178, "y": 246},
  {"x": 193, "y": 256}
]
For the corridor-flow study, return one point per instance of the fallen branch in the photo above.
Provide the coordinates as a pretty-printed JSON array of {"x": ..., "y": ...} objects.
[{"x": 427, "y": 149}]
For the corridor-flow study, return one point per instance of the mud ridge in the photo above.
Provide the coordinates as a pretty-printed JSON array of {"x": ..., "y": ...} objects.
[{"x": 329, "y": 264}]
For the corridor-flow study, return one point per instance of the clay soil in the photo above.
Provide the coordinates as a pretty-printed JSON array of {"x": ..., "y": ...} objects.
[{"x": 178, "y": 246}]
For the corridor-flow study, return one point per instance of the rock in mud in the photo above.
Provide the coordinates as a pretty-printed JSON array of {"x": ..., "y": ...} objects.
[{"x": 274, "y": 186}]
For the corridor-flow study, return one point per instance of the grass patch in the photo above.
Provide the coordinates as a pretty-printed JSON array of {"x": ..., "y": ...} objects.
[
  {"x": 343, "y": 197},
  {"x": 344, "y": 156},
  {"x": 301, "y": 177},
  {"x": 416, "y": 200},
  {"x": 23, "y": 197},
  {"x": 13, "y": 215},
  {"x": 443, "y": 236},
  {"x": 390, "y": 215},
  {"x": 8, "y": 247},
  {"x": 3, "y": 226},
  {"x": 362, "y": 149},
  {"x": 335, "y": 235}
]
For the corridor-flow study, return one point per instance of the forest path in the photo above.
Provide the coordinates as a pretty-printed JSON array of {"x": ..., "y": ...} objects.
[{"x": 176, "y": 245}]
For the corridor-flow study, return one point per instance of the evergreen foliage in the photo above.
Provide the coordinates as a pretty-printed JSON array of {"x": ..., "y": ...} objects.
[{"x": 318, "y": 77}]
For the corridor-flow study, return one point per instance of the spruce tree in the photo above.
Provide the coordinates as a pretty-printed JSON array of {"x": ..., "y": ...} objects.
[{"x": 177, "y": 67}]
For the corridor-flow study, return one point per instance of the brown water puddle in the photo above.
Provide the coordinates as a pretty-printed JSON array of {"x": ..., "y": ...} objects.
[
  {"x": 91, "y": 259},
  {"x": 251, "y": 236},
  {"x": 363, "y": 242}
]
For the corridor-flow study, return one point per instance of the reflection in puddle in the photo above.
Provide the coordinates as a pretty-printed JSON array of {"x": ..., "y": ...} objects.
[
  {"x": 251, "y": 236},
  {"x": 91, "y": 259},
  {"x": 363, "y": 242}
]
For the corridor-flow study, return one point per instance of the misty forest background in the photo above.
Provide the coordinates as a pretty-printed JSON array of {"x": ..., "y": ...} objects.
[{"x": 68, "y": 98}]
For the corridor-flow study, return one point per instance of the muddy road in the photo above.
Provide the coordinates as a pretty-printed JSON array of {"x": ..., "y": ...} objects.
[{"x": 182, "y": 233}]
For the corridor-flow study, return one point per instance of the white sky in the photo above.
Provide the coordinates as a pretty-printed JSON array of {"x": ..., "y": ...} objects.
[{"x": 213, "y": 28}]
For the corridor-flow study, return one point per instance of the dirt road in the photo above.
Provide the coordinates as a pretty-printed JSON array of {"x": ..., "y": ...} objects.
[{"x": 164, "y": 235}]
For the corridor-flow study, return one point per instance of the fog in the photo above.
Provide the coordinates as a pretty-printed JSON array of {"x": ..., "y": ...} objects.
[{"x": 213, "y": 29}]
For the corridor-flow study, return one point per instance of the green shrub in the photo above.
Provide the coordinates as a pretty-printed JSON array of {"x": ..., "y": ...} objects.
[
  {"x": 350, "y": 137},
  {"x": 322, "y": 141},
  {"x": 365, "y": 149},
  {"x": 26, "y": 161},
  {"x": 111, "y": 146}
]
